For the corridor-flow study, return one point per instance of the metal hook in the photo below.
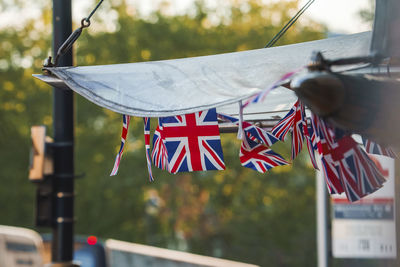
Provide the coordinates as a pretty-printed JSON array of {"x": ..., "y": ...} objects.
[{"x": 83, "y": 25}]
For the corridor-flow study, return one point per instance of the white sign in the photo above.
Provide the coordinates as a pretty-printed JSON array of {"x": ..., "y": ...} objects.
[{"x": 366, "y": 228}]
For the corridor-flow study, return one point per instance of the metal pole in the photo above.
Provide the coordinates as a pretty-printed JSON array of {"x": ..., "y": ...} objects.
[
  {"x": 397, "y": 209},
  {"x": 322, "y": 231},
  {"x": 63, "y": 148}
]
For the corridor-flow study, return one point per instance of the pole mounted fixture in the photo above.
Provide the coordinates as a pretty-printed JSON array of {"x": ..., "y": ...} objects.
[
  {"x": 62, "y": 181},
  {"x": 356, "y": 103}
]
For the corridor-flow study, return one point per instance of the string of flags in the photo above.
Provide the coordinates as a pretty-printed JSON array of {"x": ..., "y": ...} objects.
[{"x": 191, "y": 142}]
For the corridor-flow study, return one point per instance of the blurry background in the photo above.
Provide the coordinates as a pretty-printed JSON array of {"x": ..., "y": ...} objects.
[{"x": 236, "y": 214}]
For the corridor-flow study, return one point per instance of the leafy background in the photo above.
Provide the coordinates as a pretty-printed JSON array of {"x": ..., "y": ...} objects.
[{"x": 236, "y": 214}]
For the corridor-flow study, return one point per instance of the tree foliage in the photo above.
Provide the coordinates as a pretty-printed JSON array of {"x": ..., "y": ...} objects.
[
  {"x": 236, "y": 214},
  {"x": 367, "y": 14}
]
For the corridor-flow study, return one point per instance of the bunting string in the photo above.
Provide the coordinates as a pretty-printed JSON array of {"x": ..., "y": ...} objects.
[{"x": 191, "y": 142}]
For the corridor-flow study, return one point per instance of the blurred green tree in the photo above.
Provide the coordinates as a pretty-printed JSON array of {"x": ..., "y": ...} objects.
[
  {"x": 236, "y": 214},
  {"x": 367, "y": 14}
]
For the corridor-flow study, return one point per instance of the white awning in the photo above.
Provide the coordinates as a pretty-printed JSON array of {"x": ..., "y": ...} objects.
[{"x": 180, "y": 86}]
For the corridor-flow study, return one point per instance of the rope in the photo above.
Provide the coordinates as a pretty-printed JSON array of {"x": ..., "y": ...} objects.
[
  {"x": 93, "y": 11},
  {"x": 289, "y": 24}
]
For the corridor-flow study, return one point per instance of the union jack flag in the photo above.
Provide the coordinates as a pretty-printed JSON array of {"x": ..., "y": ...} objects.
[
  {"x": 374, "y": 148},
  {"x": 259, "y": 157},
  {"x": 259, "y": 135},
  {"x": 252, "y": 131},
  {"x": 159, "y": 153},
  {"x": 331, "y": 174},
  {"x": 282, "y": 128},
  {"x": 358, "y": 172},
  {"x": 313, "y": 130},
  {"x": 193, "y": 142},
  {"x": 320, "y": 136},
  {"x": 125, "y": 126},
  {"x": 308, "y": 134},
  {"x": 227, "y": 118},
  {"x": 326, "y": 136},
  {"x": 146, "y": 122},
  {"x": 297, "y": 130}
]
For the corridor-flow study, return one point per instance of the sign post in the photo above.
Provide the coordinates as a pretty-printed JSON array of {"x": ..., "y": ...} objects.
[
  {"x": 322, "y": 219},
  {"x": 367, "y": 228}
]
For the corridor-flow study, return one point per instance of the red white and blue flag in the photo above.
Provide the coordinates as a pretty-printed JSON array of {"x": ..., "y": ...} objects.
[
  {"x": 332, "y": 175},
  {"x": 259, "y": 135},
  {"x": 258, "y": 156},
  {"x": 285, "y": 125},
  {"x": 374, "y": 148},
  {"x": 308, "y": 135},
  {"x": 125, "y": 126},
  {"x": 346, "y": 166},
  {"x": 192, "y": 142},
  {"x": 320, "y": 136},
  {"x": 327, "y": 136},
  {"x": 293, "y": 122},
  {"x": 252, "y": 131},
  {"x": 358, "y": 172},
  {"x": 146, "y": 122},
  {"x": 313, "y": 130},
  {"x": 297, "y": 130},
  {"x": 159, "y": 153}
]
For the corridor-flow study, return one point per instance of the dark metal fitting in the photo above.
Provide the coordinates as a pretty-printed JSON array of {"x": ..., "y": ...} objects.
[
  {"x": 64, "y": 175},
  {"x": 61, "y": 144},
  {"x": 318, "y": 62},
  {"x": 65, "y": 220},
  {"x": 47, "y": 64},
  {"x": 83, "y": 24},
  {"x": 65, "y": 194}
]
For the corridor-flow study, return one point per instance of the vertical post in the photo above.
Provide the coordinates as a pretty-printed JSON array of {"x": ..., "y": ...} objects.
[
  {"x": 321, "y": 205},
  {"x": 63, "y": 147},
  {"x": 397, "y": 209}
]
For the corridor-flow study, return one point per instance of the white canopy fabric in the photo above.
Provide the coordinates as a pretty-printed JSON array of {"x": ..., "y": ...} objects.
[{"x": 181, "y": 86}]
